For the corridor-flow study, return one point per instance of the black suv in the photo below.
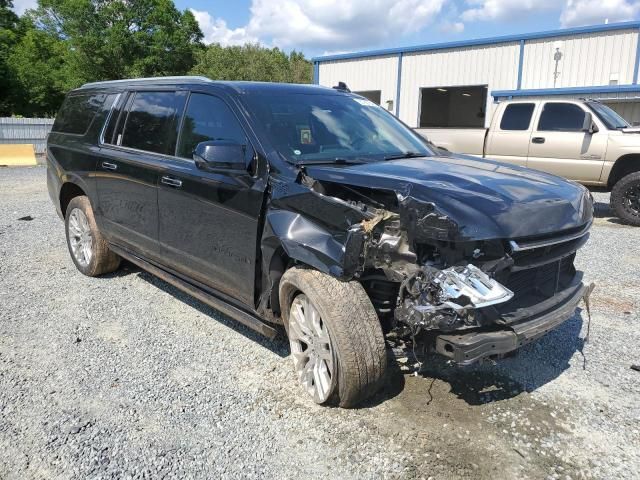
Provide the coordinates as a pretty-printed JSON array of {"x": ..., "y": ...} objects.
[{"x": 315, "y": 209}]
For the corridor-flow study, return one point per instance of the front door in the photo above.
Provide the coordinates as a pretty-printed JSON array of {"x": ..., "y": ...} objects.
[
  {"x": 558, "y": 145},
  {"x": 209, "y": 220},
  {"x": 141, "y": 132}
]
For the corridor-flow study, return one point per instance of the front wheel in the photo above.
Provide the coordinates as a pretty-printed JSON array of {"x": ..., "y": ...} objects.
[
  {"x": 625, "y": 199},
  {"x": 336, "y": 340}
]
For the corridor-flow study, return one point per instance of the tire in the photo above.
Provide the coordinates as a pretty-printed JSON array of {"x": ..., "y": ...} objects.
[
  {"x": 356, "y": 342},
  {"x": 82, "y": 231},
  {"x": 625, "y": 199}
]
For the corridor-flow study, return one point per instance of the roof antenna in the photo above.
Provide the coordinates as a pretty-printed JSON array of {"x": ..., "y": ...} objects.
[{"x": 342, "y": 87}]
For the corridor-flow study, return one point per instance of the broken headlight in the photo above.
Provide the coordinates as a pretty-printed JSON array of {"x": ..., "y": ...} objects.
[{"x": 445, "y": 299}]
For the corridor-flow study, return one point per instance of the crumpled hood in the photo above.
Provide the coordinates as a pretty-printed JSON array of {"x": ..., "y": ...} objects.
[{"x": 483, "y": 199}]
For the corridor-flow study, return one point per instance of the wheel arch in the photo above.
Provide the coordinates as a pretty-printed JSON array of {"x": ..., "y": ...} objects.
[
  {"x": 625, "y": 165},
  {"x": 68, "y": 192}
]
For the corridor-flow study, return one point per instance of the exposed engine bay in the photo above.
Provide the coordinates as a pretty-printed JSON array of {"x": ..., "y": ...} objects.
[
  {"x": 423, "y": 275},
  {"x": 437, "y": 259}
]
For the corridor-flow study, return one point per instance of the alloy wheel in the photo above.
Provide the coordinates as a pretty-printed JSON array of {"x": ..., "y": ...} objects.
[
  {"x": 80, "y": 238},
  {"x": 311, "y": 349}
]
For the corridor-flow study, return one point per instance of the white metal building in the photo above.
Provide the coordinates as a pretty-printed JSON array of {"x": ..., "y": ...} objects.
[{"x": 456, "y": 84}]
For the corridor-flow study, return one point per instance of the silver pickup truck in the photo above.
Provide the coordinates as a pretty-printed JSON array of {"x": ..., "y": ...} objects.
[{"x": 582, "y": 140}]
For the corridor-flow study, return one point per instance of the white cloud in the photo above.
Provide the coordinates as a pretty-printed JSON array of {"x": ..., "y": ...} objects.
[
  {"x": 452, "y": 27},
  {"x": 591, "y": 12},
  {"x": 338, "y": 24},
  {"x": 19, "y": 6},
  {"x": 215, "y": 30},
  {"x": 504, "y": 9}
]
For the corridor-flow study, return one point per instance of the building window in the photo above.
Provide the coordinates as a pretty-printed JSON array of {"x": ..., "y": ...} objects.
[
  {"x": 453, "y": 107},
  {"x": 517, "y": 116},
  {"x": 373, "y": 95}
]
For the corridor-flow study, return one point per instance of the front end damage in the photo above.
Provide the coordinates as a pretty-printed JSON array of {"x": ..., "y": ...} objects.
[{"x": 429, "y": 279}]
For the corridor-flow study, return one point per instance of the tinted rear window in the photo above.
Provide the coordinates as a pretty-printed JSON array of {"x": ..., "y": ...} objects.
[
  {"x": 77, "y": 112},
  {"x": 517, "y": 116},
  {"x": 152, "y": 121}
]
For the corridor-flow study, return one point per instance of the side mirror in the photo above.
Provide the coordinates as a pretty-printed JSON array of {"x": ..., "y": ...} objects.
[
  {"x": 587, "y": 125},
  {"x": 223, "y": 155}
]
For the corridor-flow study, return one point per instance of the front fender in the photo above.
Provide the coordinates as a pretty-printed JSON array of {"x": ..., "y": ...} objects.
[{"x": 307, "y": 242}]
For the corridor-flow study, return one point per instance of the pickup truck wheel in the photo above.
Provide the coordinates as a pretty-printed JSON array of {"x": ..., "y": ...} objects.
[
  {"x": 625, "y": 199},
  {"x": 89, "y": 251},
  {"x": 336, "y": 340}
]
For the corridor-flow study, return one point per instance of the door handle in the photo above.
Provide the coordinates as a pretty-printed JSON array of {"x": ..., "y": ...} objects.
[
  {"x": 109, "y": 166},
  {"x": 173, "y": 182},
  {"x": 537, "y": 140}
]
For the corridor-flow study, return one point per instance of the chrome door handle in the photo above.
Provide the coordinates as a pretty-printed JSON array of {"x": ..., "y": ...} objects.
[
  {"x": 109, "y": 166},
  {"x": 173, "y": 182},
  {"x": 537, "y": 140}
]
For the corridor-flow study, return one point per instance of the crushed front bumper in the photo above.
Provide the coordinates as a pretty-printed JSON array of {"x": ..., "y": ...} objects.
[{"x": 467, "y": 348}]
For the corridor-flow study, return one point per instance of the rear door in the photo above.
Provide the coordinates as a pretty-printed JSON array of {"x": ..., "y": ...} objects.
[
  {"x": 209, "y": 220},
  {"x": 558, "y": 144},
  {"x": 509, "y": 136},
  {"x": 140, "y": 134}
]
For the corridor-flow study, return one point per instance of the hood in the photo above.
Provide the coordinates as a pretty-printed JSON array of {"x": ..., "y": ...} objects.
[
  {"x": 480, "y": 199},
  {"x": 631, "y": 130}
]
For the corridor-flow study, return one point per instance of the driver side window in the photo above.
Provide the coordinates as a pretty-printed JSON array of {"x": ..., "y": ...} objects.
[{"x": 208, "y": 118}]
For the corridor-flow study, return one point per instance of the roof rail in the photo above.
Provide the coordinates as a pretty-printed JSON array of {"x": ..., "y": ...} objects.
[{"x": 148, "y": 80}]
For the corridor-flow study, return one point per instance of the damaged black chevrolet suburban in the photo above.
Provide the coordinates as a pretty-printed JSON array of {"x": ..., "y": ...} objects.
[{"x": 315, "y": 209}]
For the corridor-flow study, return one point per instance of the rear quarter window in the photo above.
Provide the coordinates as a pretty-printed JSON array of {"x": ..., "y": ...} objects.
[
  {"x": 77, "y": 113},
  {"x": 517, "y": 116}
]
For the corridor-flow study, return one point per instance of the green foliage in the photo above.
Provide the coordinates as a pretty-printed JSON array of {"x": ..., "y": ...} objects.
[
  {"x": 8, "y": 38},
  {"x": 252, "y": 62},
  {"x": 64, "y": 43}
]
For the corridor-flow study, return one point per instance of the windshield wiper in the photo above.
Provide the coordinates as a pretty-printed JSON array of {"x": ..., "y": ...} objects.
[
  {"x": 405, "y": 155},
  {"x": 333, "y": 161}
]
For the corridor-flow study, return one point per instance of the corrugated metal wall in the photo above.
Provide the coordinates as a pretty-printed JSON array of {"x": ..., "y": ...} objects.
[
  {"x": 587, "y": 60},
  {"x": 377, "y": 73},
  {"x": 495, "y": 66},
  {"x": 26, "y": 130}
]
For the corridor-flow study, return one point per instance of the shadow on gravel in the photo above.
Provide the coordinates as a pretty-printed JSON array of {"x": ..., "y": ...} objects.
[
  {"x": 279, "y": 346},
  {"x": 528, "y": 369}
]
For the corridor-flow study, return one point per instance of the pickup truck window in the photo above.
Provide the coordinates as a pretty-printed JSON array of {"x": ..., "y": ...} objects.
[
  {"x": 517, "y": 116},
  {"x": 152, "y": 122},
  {"x": 561, "y": 117},
  {"x": 326, "y": 127},
  {"x": 208, "y": 118}
]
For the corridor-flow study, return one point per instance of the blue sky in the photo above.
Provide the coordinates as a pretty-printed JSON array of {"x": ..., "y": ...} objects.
[{"x": 317, "y": 27}]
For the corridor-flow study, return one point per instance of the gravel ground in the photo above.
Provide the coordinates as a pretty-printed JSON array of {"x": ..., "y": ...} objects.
[{"x": 125, "y": 377}]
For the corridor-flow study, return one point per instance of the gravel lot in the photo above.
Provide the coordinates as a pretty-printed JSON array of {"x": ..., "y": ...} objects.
[{"x": 125, "y": 377}]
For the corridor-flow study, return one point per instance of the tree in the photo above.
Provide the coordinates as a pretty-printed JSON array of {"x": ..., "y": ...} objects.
[
  {"x": 252, "y": 62},
  {"x": 113, "y": 39},
  {"x": 8, "y": 38},
  {"x": 70, "y": 42}
]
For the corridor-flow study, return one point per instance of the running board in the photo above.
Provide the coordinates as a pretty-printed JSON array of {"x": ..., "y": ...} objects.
[{"x": 245, "y": 318}]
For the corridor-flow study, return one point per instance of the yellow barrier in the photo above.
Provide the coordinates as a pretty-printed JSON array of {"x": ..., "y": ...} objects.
[{"x": 17, "y": 155}]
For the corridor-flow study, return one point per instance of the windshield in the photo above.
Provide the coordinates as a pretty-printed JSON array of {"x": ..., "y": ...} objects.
[
  {"x": 308, "y": 128},
  {"x": 610, "y": 118}
]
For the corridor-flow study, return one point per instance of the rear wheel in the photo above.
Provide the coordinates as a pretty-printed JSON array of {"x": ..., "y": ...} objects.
[
  {"x": 625, "y": 198},
  {"x": 336, "y": 340},
  {"x": 89, "y": 250}
]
